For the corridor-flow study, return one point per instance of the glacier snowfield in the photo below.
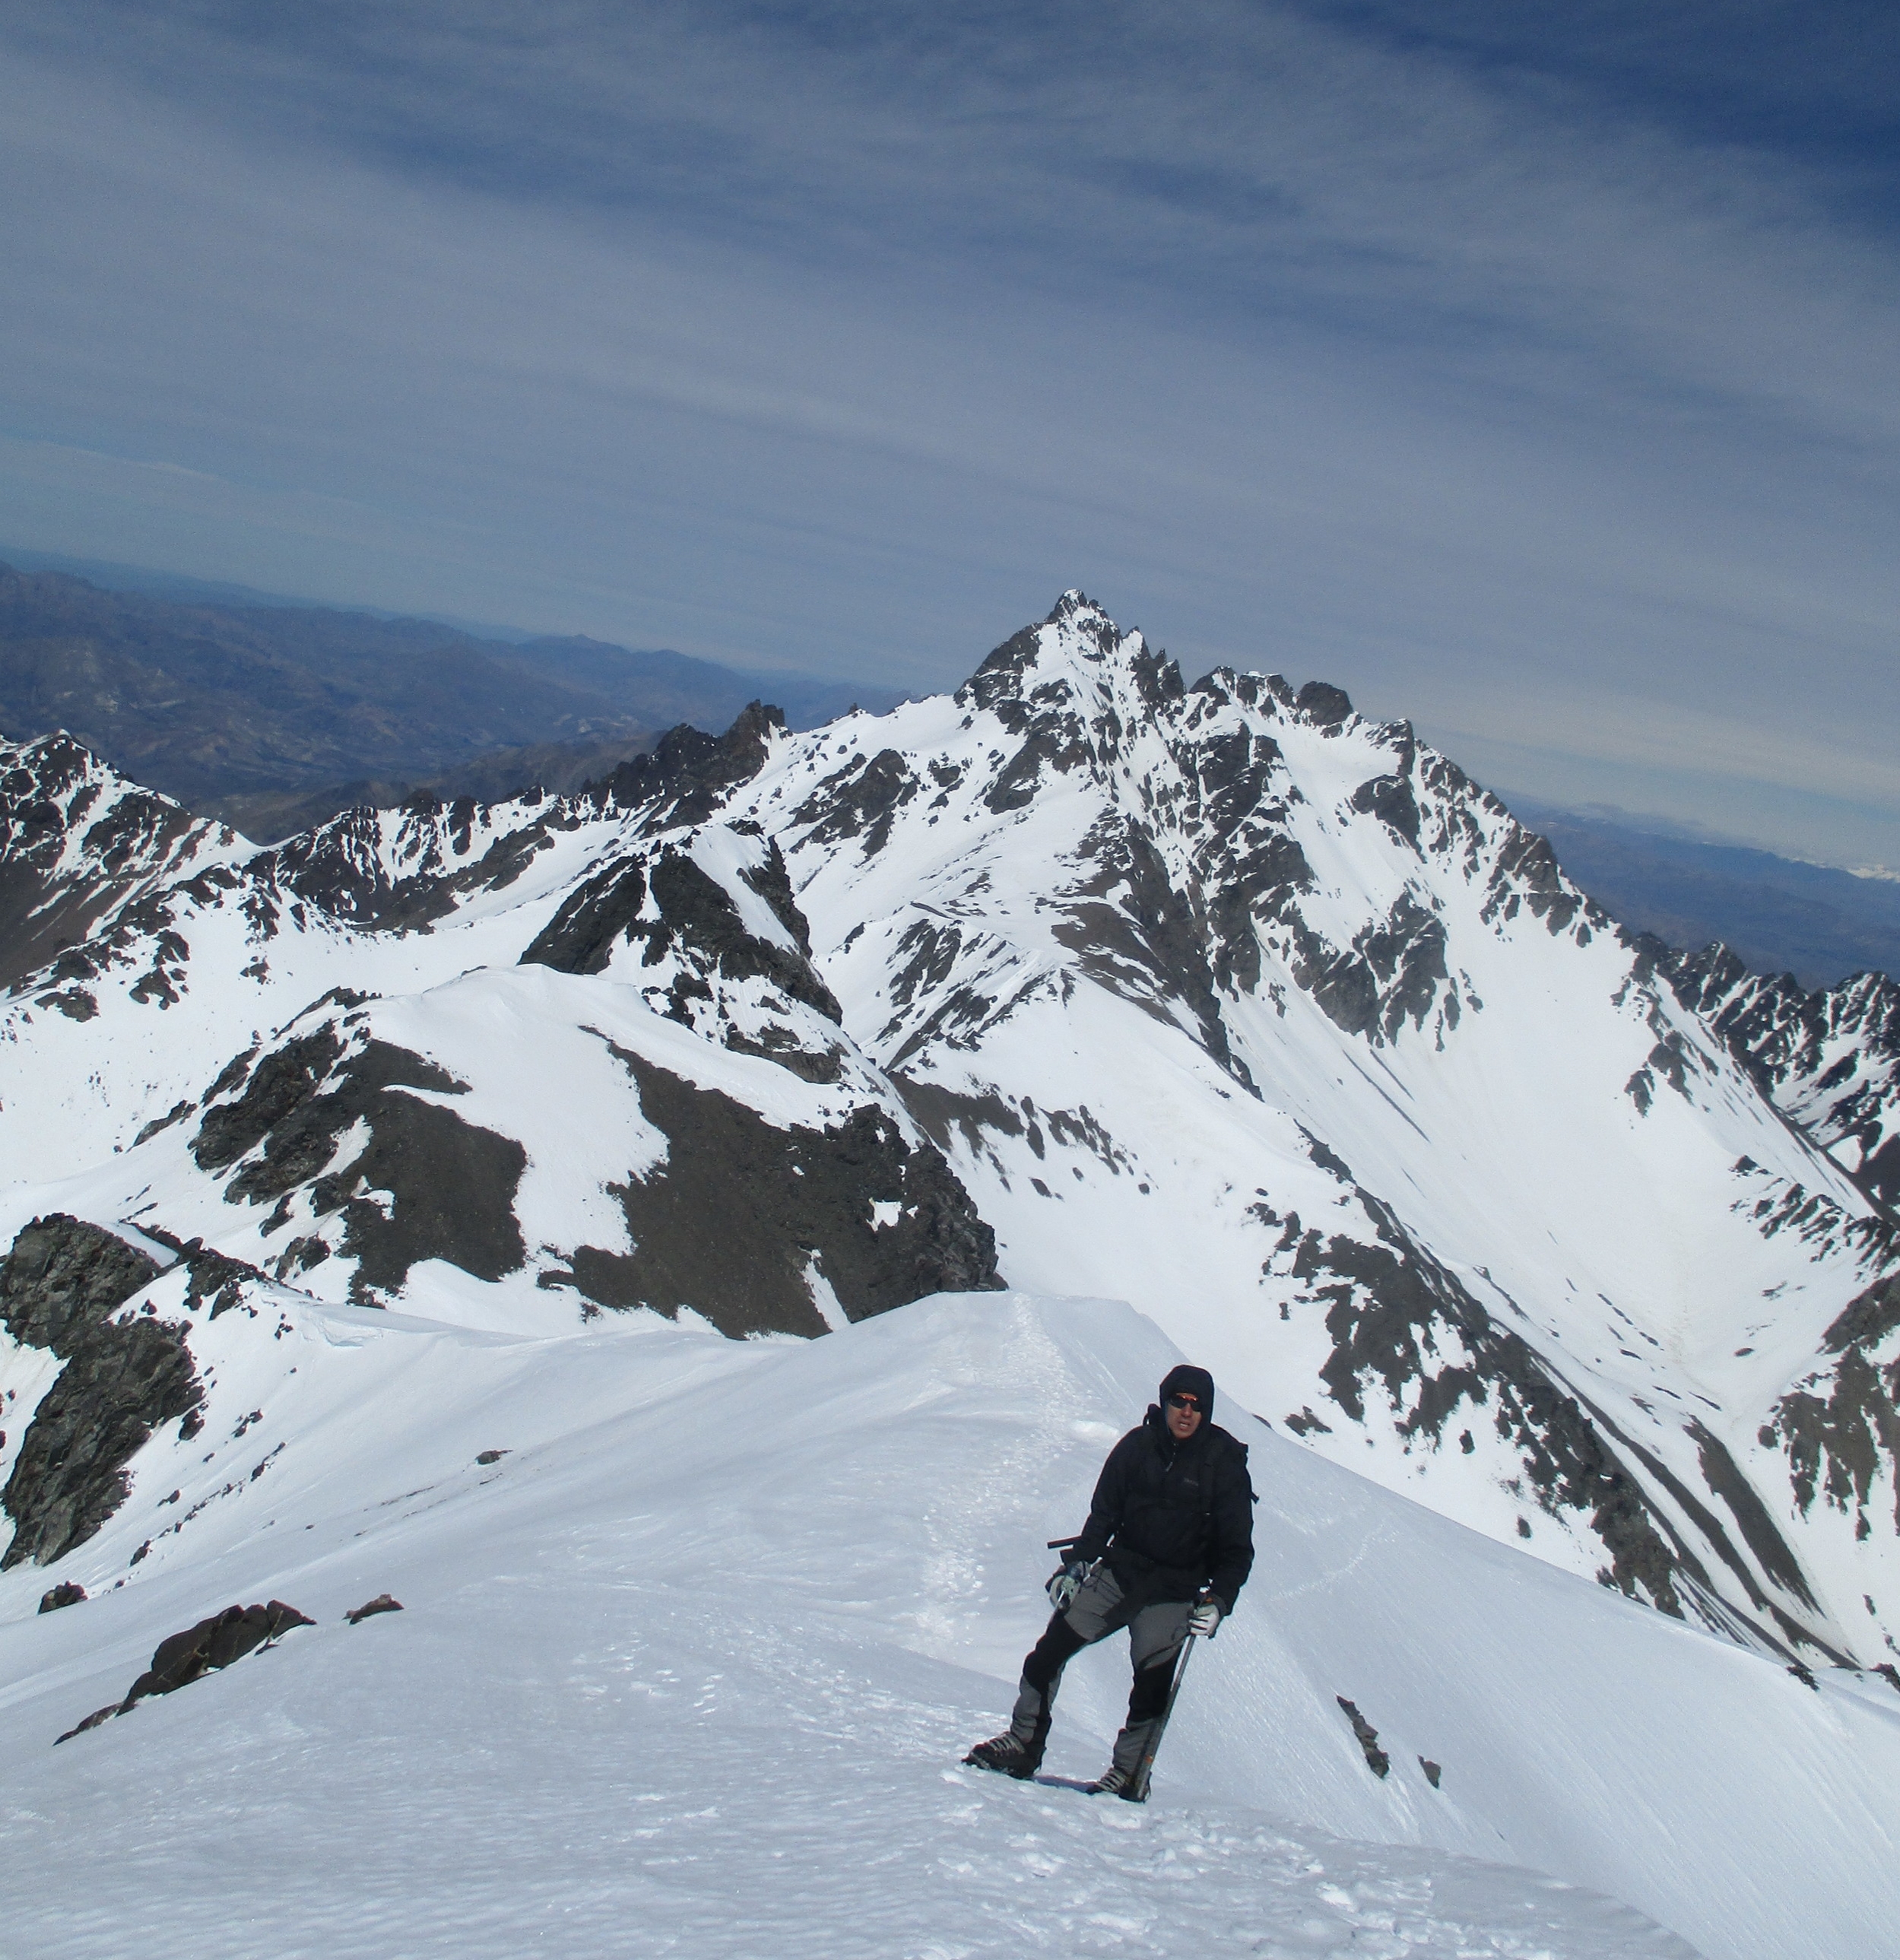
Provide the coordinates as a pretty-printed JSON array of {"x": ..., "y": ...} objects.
[{"x": 690, "y": 1670}]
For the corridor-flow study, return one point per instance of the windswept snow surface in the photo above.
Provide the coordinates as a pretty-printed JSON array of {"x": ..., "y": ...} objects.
[{"x": 689, "y": 1671}]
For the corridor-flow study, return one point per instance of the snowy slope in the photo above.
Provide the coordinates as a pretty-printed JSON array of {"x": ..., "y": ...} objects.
[
  {"x": 1222, "y": 1000},
  {"x": 690, "y": 1668}
]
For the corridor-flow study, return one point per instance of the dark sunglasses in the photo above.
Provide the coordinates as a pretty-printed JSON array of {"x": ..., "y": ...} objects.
[{"x": 1185, "y": 1401}]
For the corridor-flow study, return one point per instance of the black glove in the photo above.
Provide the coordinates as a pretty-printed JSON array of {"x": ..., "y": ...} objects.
[{"x": 1064, "y": 1585}]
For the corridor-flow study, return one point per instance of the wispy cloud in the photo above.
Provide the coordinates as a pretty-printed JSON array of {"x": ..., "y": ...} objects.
[{"x": 1528, "y": 400}]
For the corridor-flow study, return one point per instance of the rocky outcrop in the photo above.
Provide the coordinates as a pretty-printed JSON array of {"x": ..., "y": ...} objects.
[
  {"x": 744, "y": 1217},
  {"x": 78, "y": 844},
  {"x": 691, "y": 915},
  {"x": 688, "y": 774},
  {"x": 446, "y": 1186},
  {"x": 60, "y": 1288},
  {"x": 211, "y": 1644},
  {"x": 1840, "y": 1427}
]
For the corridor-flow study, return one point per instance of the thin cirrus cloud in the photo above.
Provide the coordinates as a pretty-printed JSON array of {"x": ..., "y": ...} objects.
[{"x": 1537, "y": 383}]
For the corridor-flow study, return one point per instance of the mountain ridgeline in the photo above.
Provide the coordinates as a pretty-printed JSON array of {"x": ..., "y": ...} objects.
[{"x": 1221, "y": 999}]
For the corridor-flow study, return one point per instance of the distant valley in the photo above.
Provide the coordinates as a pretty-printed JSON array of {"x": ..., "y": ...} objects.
[
  {"x": 272, "y": 716},
  {"x": 1775, "y": 915}
]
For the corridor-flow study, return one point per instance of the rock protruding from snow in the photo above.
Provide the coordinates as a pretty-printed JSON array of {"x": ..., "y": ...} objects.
[
  {"x": 328, "y": 1127},
  {"x": 199, "y": 1650},
  {"x": 61, "y": 1288},
  {"x": 79, "y": 845},
  {"x": 763, "y": 1228},
  {"x": 1831, "y": 1058}
]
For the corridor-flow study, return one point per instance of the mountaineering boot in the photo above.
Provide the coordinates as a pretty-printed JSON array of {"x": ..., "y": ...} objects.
[
  {"x": 1115, "y": 1781},
  {"x": 1011, "y": 1754}
]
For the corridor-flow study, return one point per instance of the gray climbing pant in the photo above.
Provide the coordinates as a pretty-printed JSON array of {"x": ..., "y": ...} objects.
[{"x": 1155, "y": 1634}]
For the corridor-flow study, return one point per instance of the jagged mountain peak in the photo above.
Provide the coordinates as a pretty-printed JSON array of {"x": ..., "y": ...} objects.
[
  {"x": 1079, "y": 655},
  {"x": 1076, "y": 662}
]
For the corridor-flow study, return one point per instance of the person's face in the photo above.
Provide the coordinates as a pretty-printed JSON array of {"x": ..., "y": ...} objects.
[{"x": 1184, "y": 1415}]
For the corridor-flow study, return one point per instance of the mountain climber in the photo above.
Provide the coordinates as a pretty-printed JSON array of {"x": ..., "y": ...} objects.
[{"x": 1168, "y": 1545}]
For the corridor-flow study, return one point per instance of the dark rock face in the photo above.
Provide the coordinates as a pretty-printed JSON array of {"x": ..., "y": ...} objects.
[
  {"x": 603, "y": 912},
  {"x": 1392, "y": 972},
  {"x": 1829, "y": 1058},
  {"x": 382, "y": 1603},
  {"x": 121, "y": 1384},
  {"x": 688, "y": 774},
  {"x": 1251, "y": 869},
  {"x": 68, "y": 1592},
  {"x": 696, "y": 908},
  {"x": 62, "y": 1278},
  {"x": 451, "y": 1184},
  {"x": 1528, "y": 877},
  {"x": 1393, "y": 1310},
  {"x": 692, "y": 915},
  {"x": 58, "y": 1288},
  {"x": 1323, "y": 705},
  {"x": 727, "y": 1225},
  {"x": 1390, "y": 799},
  {"x": 345, "y": 866},
  {"x": 183, "y": 1658},
  {"x": 213, "y": 1644},
  {"x": 1841, "y": 1427},
  {"x": 862, "y": 802},
  {"x": 1366, "y": 1736},
  {"x": 1134, "y": 933},
  {"x": 282, "y": 1083},
  {"x": 53, "y": 796}
]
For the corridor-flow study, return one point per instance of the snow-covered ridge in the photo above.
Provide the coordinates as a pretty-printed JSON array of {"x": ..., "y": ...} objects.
[
  {"x": 694, "y": 1632},
  {"x": 1221, "y": 999}
]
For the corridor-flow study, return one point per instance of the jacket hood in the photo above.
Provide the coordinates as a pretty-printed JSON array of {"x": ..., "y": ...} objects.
[{"x": 1192, "y": 1380}]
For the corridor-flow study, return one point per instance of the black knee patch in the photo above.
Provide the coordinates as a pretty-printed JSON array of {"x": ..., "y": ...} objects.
[
  {"x": 1149, "y": 1695},
  {"x": 1059, "y": 1645}
]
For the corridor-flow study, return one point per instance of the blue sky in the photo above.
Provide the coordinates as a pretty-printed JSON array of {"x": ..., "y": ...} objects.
[{"x": 1530, "y": 372}]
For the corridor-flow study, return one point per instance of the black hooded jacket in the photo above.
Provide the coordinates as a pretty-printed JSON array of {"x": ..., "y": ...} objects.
[{"x": 1171, "y": 1517}]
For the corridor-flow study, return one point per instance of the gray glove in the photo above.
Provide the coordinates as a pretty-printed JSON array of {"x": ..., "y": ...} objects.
[
  {"x": 1204, "y": 1618},
  {"x": 1064, "y": 1585}
]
